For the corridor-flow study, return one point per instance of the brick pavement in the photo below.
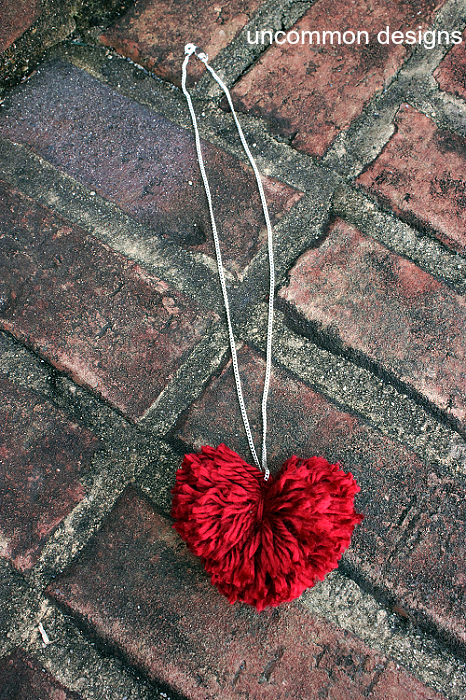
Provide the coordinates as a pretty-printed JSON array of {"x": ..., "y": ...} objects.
[{"x": 114, "y": 359}]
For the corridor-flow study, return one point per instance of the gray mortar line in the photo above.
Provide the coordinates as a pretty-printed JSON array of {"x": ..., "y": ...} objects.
[
  {"x": 352, "y": 150},
  {"x": 359, "y": 209},
  {"x": 39, "y": 180},
  {"x": 341, "y": 601},
  {"x": 350, "y": 386},
  {"x": 451, "y": 16},
  {"x": 422, "y": 61},
  {"x": 75, "y": 662},
  {"x": 187, "y": 384},
  {"x": 301, "y": 229},
  {"x": 112, "y": 472},
  {"x": 205, "y": 360},
  {"x": 446, "y": 110},
  {"x": 23, "y": 367},
  {"x": 15, "y": 617},
  {"x": 70, "y": 658},
  {"x": 238, "y": 57}
]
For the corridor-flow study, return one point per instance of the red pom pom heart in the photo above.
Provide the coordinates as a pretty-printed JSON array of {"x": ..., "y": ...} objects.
[{"x": 264, "y": 542}]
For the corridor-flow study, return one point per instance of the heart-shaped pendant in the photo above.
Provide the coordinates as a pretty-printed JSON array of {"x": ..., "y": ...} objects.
[{"x": 264, "y": 542}]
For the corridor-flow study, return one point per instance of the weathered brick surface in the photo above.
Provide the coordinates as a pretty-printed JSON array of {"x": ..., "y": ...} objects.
[
  {"x": 396, "y": 685},
  {"x": 42, "y": 456},
  {"x": 154, "y": 32},
  {"x": 15, "y": 17},
  {"x": 142, "y": 162},
  {"x": 23, "y": 678},
  {"x": 141, "y": 589},
  {"x": 409, "y": 324},
  {"x": 451, "y": 73},
  {"x": 411, "y": 543},
  {"x": 310, "y": 93},
  {"x": 89, "y": 311},
  {"x": 420, "y": 174}
]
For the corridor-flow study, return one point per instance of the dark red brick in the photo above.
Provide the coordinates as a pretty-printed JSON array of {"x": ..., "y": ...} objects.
[
  {"x": 412, "y": 542},
  {"x": 451, "y": 73},
  {"x": 143, "y": 163},
  {"x": 89, "y": 311},
  {"x": 310, "y": 93},
  {"x": 42, "y": 456},
  {"x": 23, "y": 678},
  {"x": 141, "y": 589},
  {"x": 16, "y": 17},
  {"x": 154, "y": 32},
  {"x": 410, "y": 324},
  {"x": 420, "y": 174}
]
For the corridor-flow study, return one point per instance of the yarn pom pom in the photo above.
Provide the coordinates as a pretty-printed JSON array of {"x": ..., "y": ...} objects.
[{"x": 264, "y": 542}]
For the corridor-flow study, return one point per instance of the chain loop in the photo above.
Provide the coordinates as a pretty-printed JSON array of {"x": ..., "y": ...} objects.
[{"x": 191, "y": 49}]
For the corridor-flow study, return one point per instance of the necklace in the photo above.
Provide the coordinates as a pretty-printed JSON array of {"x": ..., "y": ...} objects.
[{"x": 263, "y": 539}]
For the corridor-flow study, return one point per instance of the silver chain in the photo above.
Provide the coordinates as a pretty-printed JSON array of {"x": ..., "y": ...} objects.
[{"x": 190, "y": 49}]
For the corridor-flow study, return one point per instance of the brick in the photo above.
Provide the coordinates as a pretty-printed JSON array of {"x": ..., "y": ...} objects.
[
  {"x": 23, "y": 678},
  {"x": 141, "y": 590},
  {"x": 420, "y": 175},
  {"x": 17, "y": 16},
  {"x": 143, "y": 163},
  {"x": 333, "y": 83},
  {"x": 410, "y": 324},
  {"x": 411, "y": 544},
  {"x": 154, "y": 32},
  {"x": 395, "y": 684},
  {"x": 42, "y": 457},
  {"x": 451, "y": 72},
  {"x": 89, "y": 311}
]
